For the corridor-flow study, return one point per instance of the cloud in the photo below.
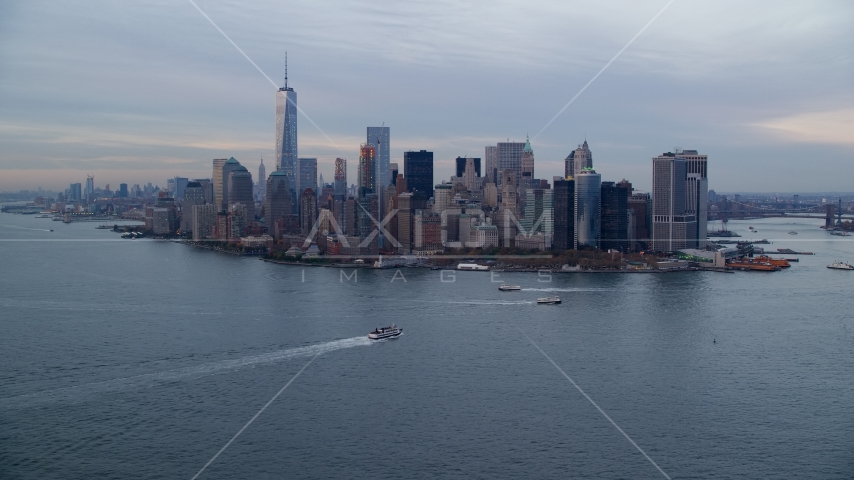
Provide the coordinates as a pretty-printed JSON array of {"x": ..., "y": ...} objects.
[{"x": 829, "y": 127}]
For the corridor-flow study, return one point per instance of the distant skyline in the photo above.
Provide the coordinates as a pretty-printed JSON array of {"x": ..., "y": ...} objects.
[{"x": 136, "y": 93}]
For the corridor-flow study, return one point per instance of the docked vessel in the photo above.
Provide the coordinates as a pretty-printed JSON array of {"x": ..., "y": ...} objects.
[
  {"x": 840, "y": 266},
  {"x": 509, "y": 288},
  {"x": 840, "y": 233},
  {"x": 548, "y": 300},
  {"x": 385, "y": 332},
  {"x": 753, "y": 265},
  {"x": 780, "y": 262}
]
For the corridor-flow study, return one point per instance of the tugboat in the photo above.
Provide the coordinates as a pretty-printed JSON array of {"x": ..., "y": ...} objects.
[
  {"x": 840, "y": 266},
  {"x": 385, "y": 332},
  {"x": 509, "y": 288},
  {"x": 548, "y": 300}
]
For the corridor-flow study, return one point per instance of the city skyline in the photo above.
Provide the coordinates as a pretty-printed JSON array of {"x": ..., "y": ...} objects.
[{"x": 755, "y": 96}]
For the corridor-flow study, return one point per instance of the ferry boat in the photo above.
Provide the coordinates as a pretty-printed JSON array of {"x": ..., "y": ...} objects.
[
  {"x": 780, "y": 262},
  {"x": 385, "y": 332},
  {"x": 548, "y": 300},
  {"x": 840, "y": 266},
  {"x": 509, "y": 288}
]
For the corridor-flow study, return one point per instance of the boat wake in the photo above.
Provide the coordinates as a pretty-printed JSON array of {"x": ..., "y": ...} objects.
[
  {"x": 89, "y": 391},
  {"x": 567, "y": 290}
]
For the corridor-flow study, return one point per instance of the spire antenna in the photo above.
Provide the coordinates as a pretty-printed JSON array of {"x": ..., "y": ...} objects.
[{"x": 286, "y": 69}]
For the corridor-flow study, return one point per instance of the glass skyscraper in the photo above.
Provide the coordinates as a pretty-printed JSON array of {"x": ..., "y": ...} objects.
[
  {"x": 418, "y": 172},
  {"x": 286, "y": 132}
]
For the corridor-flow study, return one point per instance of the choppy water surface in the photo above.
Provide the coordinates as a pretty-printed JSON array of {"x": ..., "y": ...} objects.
[{"x": 141, "y": 359}]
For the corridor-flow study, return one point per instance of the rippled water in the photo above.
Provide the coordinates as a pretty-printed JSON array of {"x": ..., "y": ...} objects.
[{"x": 141, "y": 359}]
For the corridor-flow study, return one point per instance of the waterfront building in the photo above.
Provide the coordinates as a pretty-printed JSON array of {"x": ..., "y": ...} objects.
[
  {"x": 160, "y": 221},
  {"x": 564, "y": 215},
  {"x": 277, "y": 202},
  {"x": 614, "y": 216},
  {"x": 217, "y": 180},
  {"x": 673, "y": 225},
  {"x": 204, "y": 219},
  {"x": 587, "y": 208},
  {"x": 404, "y": 222},
  {"x": 229, "y": 166},
  {"x": 427, "y": 233},
  {"x": 697, "y": 191},
  {"x": 539, "y": 213},
  {"x": 240, "y": 191},
  {"x": 418, "y": 170},
  {"x": 286, "y": 131},
  {"x": 483, "y": 236},
  {"x": 308, "y": 174},
  {"x": 194, "y": 195},
  {"x": 308, "y": 211},
  {"x": 640, "y": 206}
]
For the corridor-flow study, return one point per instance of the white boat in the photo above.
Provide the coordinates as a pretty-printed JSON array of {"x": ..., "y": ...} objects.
[
  {"x": 472, "y": 266},
  {"x": 548, "y": 300},
  {"x": 840, "y": 266},
  {"x": 509, "y": 288},
  {"x": 385, "y": 332}
]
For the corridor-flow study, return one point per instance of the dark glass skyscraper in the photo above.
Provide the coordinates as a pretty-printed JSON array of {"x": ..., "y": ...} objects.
[
  {"x": 564, "y": 214},
  {"x": 614, "y": 211},
  {"x": 418, "y": 171},
  {"x": 461, "y": 166}
]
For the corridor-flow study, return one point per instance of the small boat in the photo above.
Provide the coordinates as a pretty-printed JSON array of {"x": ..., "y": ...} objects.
[
  {"x": 509, "y": 288},
  {"x": 840, "y": 266},
  {"x": 548, "y": 300},
  {"x": 793, "y": 232},
  {"x": 385, "y": 332},
  {"x": 840, "y": 233}
]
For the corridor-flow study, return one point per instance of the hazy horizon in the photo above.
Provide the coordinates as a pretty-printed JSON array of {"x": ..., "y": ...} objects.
[{"x": 141, "y": 93}]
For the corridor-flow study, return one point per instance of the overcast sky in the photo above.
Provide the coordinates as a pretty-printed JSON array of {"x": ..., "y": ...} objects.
[{"x": 137, "y": 92}]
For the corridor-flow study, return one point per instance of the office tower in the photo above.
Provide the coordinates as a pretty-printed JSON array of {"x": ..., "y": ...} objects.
[
  {"x": 229, "y": 166},
  {"x": 490, "y": 195},
  {"x": 207, "y": 186},
  {"x": 569, "y": 165},
  {"x": 351, "y": 217},
  {"x": 240, "y": 191},
  {"x": 367, "y": 174},
  {"x": 90, "y": 187},
  {"x": 394, "y": 172},
  {"x": 74, "y": 192},
  {"x": 673, "y": 227},
  {"x": 441, "y": 197},
  {"x": 490, "y": 157},
  {"x": 308, "y": 174},
  {"x": 340, "y": 178},
  {"x": 378, "y": 137},
  {"x": 510, "y": 159},
  {"x": 463, "y": 162},
  {"x": 640, "y": 205},
  {"x": 427, "y": 233},
  {"x": 368, "y": 207},
  {"x": 539, "y": 212},
  {"x": 587, "y": 207},
  {"x": 697, "y": 192},
  {"x": 262, "y": 180},
  {"x": 508, "y": 191},
  {"x": 286, "y": 131},
  {"x": 582, "y": 158},
  {"x": 204, "y": 220},
  {"x": 527, "y": 164},
  {"x": 404, "y": 222},
  {"x": 308, "y": 207},
  {"x": 180, "y": 186},
  {"x": 614, "y": 213},
  {"x": 418, "y": 170},
  {"x": 123, "y": 190},
  {"x": 216, "y": 179},
  {"x": 194, "y": 195},
  {"x": 277, "y": 202},
  {"x": 564, "y": 215}
]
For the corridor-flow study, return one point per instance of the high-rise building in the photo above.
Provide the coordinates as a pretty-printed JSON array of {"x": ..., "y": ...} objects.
[
  {"x": 277, "y": 202},
  {"x": 490, "y": 195},
  {"x": 262, "y": 180},
  {"x": 218, "y": 163},
  {"x": 569, "y": 165},
  {"x": 614, "y": 213},
  {"x": 367, "y": 170},
  {"x": 697, "y": 192},
  {"x": 539, "y": 212},
  {"x": 286, "y": 131},
  {"x": 395, "y": 171},
  {"x": 308, "y": 209},
  {"x": 463, "y": 162},
  {"x": 527, "y": 164},
  {"x": 240, "y": 191},
  {"x": 564, "y": 215},
  {"x": 582, "y": 158},
  {"x": 673, "y": 226},
  {"x": 405, "y": 213},
  {"x": 587, "y": 207},
  {"x": 510, "y": 159},
  {"x": 418, "y": 170},
  {"x": 194, "y": 194},
  {"x": 204, "y": 220},
  {"x": 229, "y": 166},
  {"x": 490, "y": 157},
  {"x": 207, "y": 186},
  {"x": 441, "y": 197},
  {"x": 123, "y": 190},
  {"x": 90, "y": 187},
  {"x": 378, "y": 137},
  {"x": 74, "y": 192},
  {"x": 308, "y": 174},
  {"x": 340, "y": 178},
  {"x": 640, "y": 205},
  {"x": 180, "y": 186}
]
